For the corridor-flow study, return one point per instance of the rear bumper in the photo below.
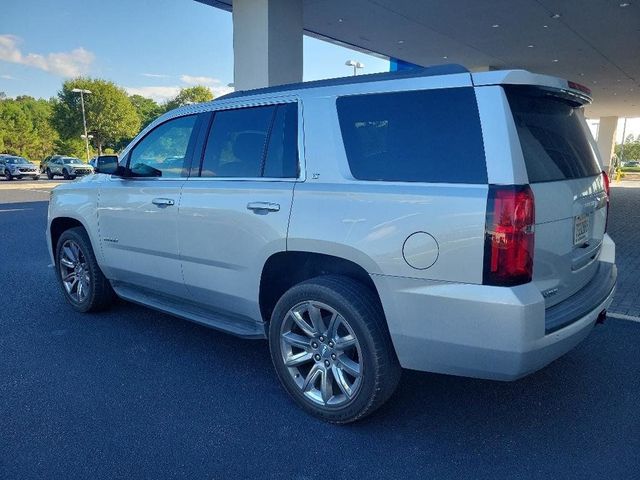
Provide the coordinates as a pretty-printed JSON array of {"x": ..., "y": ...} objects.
[{"x": 481, "y": 331}]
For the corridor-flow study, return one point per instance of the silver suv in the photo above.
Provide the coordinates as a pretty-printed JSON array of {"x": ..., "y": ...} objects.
[
  {"x": 434, "y": 220},
  {"x": 13, "y": 166},
  {"x": 68, "y": 167}
]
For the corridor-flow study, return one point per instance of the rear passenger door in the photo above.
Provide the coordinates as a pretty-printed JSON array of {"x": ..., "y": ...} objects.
[{"x": 235, "y": 206}]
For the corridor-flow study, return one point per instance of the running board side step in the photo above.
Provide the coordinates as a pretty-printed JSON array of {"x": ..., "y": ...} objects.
[{"x": 239, "y": 326}]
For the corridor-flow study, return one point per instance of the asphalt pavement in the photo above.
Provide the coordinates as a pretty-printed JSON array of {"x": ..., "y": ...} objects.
[{"x": 132, "y": 393}]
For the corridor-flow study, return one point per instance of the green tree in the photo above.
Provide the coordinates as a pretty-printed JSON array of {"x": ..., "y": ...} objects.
[
  {"x": 111, "y": 117},
  {"x": 197, "y": 94},
  {"x": 631, "y": 151},
  {"x": 73, "y": 147},
  {"x": 146, "y": 108},
  {"x": 25, "y": 127}
]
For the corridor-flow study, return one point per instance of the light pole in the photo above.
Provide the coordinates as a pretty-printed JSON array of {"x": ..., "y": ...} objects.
[
  {"x": 355, "y": 65},
  {"x": 84, "y": 118}
]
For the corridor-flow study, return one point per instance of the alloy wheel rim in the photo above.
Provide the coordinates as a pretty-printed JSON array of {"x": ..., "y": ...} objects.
[
  {"x": 74, "y": 271},
  {"x": 321, "y": 353}
]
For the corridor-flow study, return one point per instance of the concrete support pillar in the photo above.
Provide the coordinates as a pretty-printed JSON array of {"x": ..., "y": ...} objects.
[
  {"x": 267, "y": 42},
  {"x": 607, "y": 139}
]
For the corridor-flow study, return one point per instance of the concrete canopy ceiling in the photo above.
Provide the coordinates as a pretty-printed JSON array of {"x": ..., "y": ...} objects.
[{"x": 593, "y": 42}]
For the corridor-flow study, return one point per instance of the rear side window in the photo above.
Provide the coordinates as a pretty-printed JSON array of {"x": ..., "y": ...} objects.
[
  {"x": 237, "y": 142},
  {"x": 253, "y": 142},
  {"x": 418, "y": 136},
  {"x": 282, "y": 155},
  {"x": 552, "y": 135}
]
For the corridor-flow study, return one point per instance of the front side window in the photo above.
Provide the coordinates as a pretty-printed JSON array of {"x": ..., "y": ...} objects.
[
  {"x": 163, "y": 152},
  {"x": 414, "y": 136}
]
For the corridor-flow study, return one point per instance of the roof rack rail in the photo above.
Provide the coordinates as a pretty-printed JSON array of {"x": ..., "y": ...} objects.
[{"x": 446, "y": 69}]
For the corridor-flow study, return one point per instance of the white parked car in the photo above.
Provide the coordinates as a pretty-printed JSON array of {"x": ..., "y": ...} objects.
[
  {"x": 434, "y": 220},
  {"x": 67, "y": 167}
]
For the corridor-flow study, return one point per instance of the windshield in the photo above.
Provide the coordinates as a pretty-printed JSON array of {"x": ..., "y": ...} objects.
[
  {"x": 16, "y": 161},
  {"x": 553, "y": 136},
  {"x": 73, "y": 161}
]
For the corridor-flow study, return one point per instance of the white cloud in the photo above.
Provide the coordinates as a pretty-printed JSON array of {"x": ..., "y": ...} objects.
[
  {"x": 216, "y": 85},
  {"x": 221, "y": 90},
  {"x": 66, "y": 64},
  {"x": 154, "y": 75},
  {"x": 7, "y": 77},
  {"x": 159, "y": 94},
  {"x": 199, "y": 80},
  {"x": 164, "y": 93}
]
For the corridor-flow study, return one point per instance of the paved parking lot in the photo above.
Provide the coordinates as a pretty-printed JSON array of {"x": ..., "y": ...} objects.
[{"x": 132, "y": 393}]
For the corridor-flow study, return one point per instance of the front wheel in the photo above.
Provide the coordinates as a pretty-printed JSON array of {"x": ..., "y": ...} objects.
[
  {"x": 65, "y": 174},
  {"x": 331, "y": 348},
  {"x": 83, "y": 283},
  {"x": 7, "y": 175},
  {"x": 49, "y": 174},
  {"x": 36, "y": 177}
]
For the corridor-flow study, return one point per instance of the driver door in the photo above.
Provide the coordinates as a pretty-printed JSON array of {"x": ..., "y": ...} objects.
[{"x": 138, "y": 213}]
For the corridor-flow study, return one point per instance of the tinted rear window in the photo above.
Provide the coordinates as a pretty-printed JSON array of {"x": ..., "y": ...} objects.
[
  {"x": 552, "y": 136},
  {"x": 417, "y": 136}
]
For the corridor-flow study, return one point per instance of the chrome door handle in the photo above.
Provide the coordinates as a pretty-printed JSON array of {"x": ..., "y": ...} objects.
[
  {"x": 163, "y": 202},
  {"x": 263, "y": 206}
]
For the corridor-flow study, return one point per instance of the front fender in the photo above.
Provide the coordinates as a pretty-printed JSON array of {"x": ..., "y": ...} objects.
[{"x": 78, "y": 202}]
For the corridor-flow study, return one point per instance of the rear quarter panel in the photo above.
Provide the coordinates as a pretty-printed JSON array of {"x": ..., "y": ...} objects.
[{"x": 368, "y": 222}]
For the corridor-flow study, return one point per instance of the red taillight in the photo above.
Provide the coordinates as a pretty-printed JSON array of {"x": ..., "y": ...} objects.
[
  {"x": 509, "y": 235},
  {"x": 607, "y": 189},
  {"x": 581, "y": 88}
]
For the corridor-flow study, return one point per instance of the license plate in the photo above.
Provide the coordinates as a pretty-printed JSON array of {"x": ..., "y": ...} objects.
[{"x": 580, "y": 229}]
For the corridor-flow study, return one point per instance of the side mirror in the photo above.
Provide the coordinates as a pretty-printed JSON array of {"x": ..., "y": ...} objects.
[{"x": 108, "y": 165}]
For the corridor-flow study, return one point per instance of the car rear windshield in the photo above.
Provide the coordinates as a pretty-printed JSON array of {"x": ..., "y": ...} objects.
[
  {"x": 416, "y": 136},
  {"x": 553, "y": 135}
]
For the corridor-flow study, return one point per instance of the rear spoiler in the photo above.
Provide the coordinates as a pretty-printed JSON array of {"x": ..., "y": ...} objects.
[{"x": 575, "y": 91}]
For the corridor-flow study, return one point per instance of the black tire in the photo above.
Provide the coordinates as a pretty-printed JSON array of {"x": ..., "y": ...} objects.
[
  {"x": 36, "y": 177},
  {"x": 358, "y": 305},
  {"x": 7, "y": 175},
  {"x": 100, "y": 295},
  {"x": 65, "y": 174},
  {"x": 49, "y": 174}
]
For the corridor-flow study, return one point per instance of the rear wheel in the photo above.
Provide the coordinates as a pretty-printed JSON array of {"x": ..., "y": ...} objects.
[
  {"x": 83, "y": 283},
  {"x": 49, "y": 174},
  {"x": 332, "y": 350}
]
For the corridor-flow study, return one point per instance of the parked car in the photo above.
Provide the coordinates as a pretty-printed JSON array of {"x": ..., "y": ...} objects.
[
  {"x": 68, "y": 167},
  {"x": 631, "y": 163},
  {"x": 45, "y": 162},
  {"x": 13, "y": 166},
  {"x": 346, "y": 222}
]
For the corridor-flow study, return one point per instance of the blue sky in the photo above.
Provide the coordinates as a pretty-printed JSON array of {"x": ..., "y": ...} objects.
[{"x": 151, "y": 47}]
